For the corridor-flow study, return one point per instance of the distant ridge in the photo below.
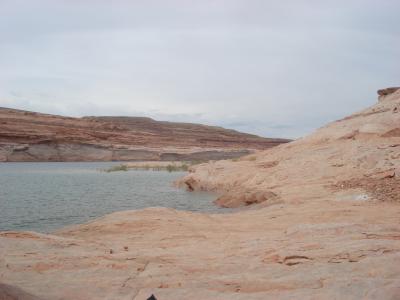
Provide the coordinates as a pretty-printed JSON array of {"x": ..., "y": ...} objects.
[{"x": 32, "y": 136}]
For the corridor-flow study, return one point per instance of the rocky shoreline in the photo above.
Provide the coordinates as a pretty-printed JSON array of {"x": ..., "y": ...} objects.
[
  {"x": 363, "y": 148},
  {"x": 323, "y": 223}
]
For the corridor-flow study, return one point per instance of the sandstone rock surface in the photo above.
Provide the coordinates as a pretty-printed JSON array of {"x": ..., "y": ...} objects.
[
  {"x": 388, "y": 91},
  {"x": 363, "y": 148},
  {"x": 8, "y": 292},
  {"x": 325, "y": 226},
  {"x": 30, "y": 136}
]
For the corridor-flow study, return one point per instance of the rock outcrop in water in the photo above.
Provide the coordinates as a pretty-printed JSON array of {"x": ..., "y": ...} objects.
[
  {"x": 30, "y": 136},
  {"x": 327, "y": 227}
]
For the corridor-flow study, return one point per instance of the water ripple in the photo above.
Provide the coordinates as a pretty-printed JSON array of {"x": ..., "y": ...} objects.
[{"x": 47, "y": 196}]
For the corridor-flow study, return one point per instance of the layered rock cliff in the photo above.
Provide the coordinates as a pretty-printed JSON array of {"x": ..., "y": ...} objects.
[{"x": 30, "y": 136}]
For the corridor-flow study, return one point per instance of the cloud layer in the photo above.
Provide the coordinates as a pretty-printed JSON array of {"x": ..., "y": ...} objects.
[{"x": 274, "y": 68}]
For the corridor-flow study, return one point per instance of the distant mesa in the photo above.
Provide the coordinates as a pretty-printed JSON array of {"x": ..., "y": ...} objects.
[{"x": 31, "y": 136}]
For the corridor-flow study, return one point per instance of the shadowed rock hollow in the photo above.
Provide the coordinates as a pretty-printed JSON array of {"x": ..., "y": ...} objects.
[{"x": 326, "y": 227}]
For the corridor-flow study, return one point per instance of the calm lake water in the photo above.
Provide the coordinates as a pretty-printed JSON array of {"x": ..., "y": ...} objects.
[{"x": 47, "y": 196}]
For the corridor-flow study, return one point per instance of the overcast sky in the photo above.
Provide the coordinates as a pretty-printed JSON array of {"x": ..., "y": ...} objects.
[{"x": 274, "y": 68}]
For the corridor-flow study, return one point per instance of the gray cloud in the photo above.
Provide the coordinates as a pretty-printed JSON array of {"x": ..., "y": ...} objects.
[{"x": 275, "y": 68}]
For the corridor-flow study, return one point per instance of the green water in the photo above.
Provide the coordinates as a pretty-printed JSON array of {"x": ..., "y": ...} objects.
[{"x": 47, "y": 196}]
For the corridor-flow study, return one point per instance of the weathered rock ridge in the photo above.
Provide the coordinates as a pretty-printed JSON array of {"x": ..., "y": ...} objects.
[
  {"x": 327, "y": 227},
  {"x": 30, "y": 136},
  {"x": 363, "y": 148}
]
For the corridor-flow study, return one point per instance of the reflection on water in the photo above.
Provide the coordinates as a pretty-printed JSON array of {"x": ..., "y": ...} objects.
[{"x": 47, "y": 196}]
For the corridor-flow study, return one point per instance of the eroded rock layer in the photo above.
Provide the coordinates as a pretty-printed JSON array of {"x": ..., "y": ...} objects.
[{"x": 29, "y": 136}]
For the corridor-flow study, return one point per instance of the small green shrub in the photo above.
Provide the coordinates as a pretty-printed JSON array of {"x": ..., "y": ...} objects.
[
  {"x": 170, "y": 167},
  {"x": 173, "y": 168},
  {"x": 116, "y": 168}
]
